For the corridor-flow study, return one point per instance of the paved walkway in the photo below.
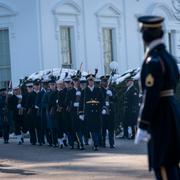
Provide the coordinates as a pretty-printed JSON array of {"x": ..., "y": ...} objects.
[{"x": 126, "y": 162}]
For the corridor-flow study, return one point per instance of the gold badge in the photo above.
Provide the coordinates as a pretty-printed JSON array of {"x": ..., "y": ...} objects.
[{"x": 149, "y": 80}]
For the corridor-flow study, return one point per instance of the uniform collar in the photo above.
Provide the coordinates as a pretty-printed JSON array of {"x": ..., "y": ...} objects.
[
  {"x": 36, "y": 91},
  {"x": 59, "y": 90},
  {"x": 152, "y": 45},
  {"x": 91, "y": 88}
]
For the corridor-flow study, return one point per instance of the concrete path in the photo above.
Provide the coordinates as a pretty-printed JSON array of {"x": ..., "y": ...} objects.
[{"x": 126, "y": 162}]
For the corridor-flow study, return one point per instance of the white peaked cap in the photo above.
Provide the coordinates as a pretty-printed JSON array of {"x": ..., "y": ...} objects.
[{"x": 59, "y": 81}]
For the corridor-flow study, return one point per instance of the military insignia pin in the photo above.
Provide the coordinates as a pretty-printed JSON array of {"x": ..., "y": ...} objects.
[{"x": 149, "y": 80}]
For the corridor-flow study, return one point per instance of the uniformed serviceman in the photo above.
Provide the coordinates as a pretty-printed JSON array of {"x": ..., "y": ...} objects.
[
  {"x": 17, "y": 112},
  {"x": 67, "y": 116},
  {"x": 33, "y": 89},
  {"x": 159, "y": 118},
  {"x": 107, "y": 112},
  {"x": 4, "y": 115},
  {"x": 90, "y": 109},
  {"x": 73, "y": 100},
  {"x": 131, "y": 100},
  {"x": 51, "y": 112},
  {"x": 86, "y": 133},
  {"x": 60, "y": 101},
  {"x": 40, "y": 114},
  {"x": 44, "y": 111}
]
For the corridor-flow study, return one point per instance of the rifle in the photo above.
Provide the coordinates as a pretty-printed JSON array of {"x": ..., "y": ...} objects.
[
  {"x": 96, "y": 71},
  {"x": 60, "y": 73}
]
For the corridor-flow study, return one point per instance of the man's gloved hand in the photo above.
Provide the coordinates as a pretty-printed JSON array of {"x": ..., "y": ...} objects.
[
  {"x": 36, "y": 107},
  {"x": 78, "y": 93},
  {"x": 76, "y": 104},
  {"x": 142, "y": 136},
  {"x": 19, "y": 106},
  {"x": 103, "y": 112},
  {"x": 81, "y": 117},
  {"x": 109, "y": 92}
]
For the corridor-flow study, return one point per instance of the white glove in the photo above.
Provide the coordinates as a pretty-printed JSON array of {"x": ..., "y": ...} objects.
[
  {"x": 81, "y": 117},
  {"x": 142, "y": 136},
  {"x": 107, "y": 103},
  {"x": 19, "y": 96},
  {"x": 103, "y": 112},
  {"x": 19, "y": 106},
  {"x": 78, "y": 93},
  {"x": 57, "y": 101},
  {"x": 36, "y": 107},
  {"x": 76, "y": 104},
  {"x": 109, "y": 92}
]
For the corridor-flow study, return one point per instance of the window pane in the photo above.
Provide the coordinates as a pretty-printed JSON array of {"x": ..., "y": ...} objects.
[
  {"x": 108, "y": 48},
  {"x": 65, "y": 37},
  {"x": 5, "y": 66}
]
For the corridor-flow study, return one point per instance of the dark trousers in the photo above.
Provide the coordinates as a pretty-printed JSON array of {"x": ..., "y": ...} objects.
[
  {"x": 32, "y": 132},
  {"x": 49, "y": 136},
  {"x": 54, "y": 136},
  {"x": 107, "y": 125},
  {"x": 71, "y": 138},
  {"x": 169, "y": 173},
  {"x": 41, "y": 139},
  {"x": 40, "y": 134},
  {"x": 110, "y": 136},
  {"x": 6, "y": 131},
  {"x": 95, "y": 138},
  {"x": 79, "y": 136}
]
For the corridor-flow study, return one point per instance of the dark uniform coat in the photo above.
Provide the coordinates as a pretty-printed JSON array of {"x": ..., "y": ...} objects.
[
  {"x": 31, "y": 111},
  {"x": 60, "y": 120},
  {"x": 38, "y": 103},
  {"x": 13, "y": 101},
  {"x": 76, "y": 123},
  {"x": 131, "y": 101},
  {"x": 2, "y": 108},
  {"x": 159, "y": 113},
  {"x": 67, "y": 115},
  {"x": 91, "y": 103},
  {"x": 108, "y": 119},
  {"x": 51, "y": 109}
]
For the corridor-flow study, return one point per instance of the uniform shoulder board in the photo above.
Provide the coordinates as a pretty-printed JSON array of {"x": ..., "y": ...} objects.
[{"x": 149, "y": 82}]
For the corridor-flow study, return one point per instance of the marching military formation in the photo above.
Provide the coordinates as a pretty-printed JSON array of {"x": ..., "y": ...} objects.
[{"x": 61, "y": 113}]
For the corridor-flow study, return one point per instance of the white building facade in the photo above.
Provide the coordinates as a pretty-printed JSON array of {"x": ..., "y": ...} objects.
[{"x": 44, "y": 34}]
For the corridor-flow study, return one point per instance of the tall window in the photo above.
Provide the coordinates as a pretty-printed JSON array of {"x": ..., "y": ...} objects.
[
  {"x": 66, "y": 46},
  {"x": 108, "y": 48},
  {"x": 5, "y": 65}
]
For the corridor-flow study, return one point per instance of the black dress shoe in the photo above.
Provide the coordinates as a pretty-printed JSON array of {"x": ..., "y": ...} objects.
[
  {"x": 65, "y": 143},
  {"x": 95, "y": 148},
  {"x": 112, "y": 147},
  {"x": 61, "y": 146},
  {"x": 19, "y": 143},
  {"x": 82, "y": 147}
]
